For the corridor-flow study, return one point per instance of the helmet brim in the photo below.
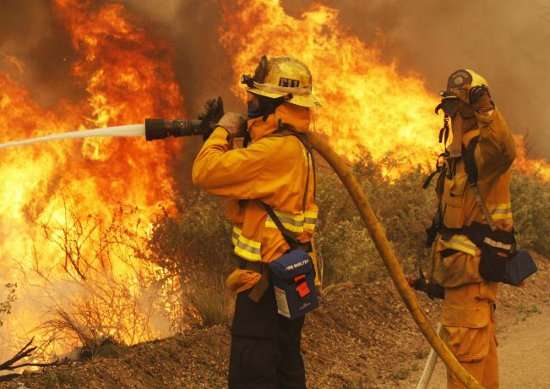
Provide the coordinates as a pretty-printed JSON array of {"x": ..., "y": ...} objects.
[{"x": 308, "y": 101}]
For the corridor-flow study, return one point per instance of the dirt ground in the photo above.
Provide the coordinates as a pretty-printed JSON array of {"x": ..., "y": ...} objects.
[
  {"x": 362, "y": 337},
  {"x": 524, "y": 350}
]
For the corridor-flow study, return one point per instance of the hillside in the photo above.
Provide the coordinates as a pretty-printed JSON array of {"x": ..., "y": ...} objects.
[{"x": 362, "y": 337}]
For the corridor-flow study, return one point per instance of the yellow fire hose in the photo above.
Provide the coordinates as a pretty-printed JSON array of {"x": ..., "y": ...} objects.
[
  {"x": 390, "y": 260},
  {"x": 159, "y": 129}
]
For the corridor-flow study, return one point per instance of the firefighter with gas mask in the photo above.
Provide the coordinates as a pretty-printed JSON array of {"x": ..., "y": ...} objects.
[
  {"x": 472, "y": 231},
  {"x": 270, "y": 184}
]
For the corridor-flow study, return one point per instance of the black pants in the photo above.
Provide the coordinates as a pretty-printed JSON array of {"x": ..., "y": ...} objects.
[{"x": 265, "y": 347}]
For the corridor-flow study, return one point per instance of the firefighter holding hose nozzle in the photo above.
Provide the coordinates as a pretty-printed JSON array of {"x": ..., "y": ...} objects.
[
  {"x": 472, "y": 235},
  {"x": 270, "y": 184}
]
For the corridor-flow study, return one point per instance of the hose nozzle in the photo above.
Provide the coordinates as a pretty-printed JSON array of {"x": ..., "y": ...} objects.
[{"x": 161, "y": 128}]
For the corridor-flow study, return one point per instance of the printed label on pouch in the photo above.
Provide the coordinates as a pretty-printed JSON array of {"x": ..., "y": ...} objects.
[
  {"x": 282, "y": 303},
  {"x": 297, "y": 265}
]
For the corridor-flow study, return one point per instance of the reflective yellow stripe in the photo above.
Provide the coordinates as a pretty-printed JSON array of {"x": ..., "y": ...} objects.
[
  {"x": 243, "y": 253},
  {"x": 297, "y": 223},
  {"x": 246, "y": 248},
  {"x": 502, "y": 212},
  {"x": 460, "y": 243},
  {"x": 502, "y": 206},
  {"x": 238, "y": 232},
  {"x": 504, "y": 216},
  {"x": 310, "y": 220}
]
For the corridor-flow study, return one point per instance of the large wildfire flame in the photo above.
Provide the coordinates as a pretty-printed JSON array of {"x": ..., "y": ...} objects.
[
  {"x": 127, "y": 76},
  {"x": 64, "y": 186},
  {"x": 366, "y": 102}
]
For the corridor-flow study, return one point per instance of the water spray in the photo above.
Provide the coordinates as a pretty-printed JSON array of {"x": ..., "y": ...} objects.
[
  {"x": 120, "y": 131},
  {"x": 154, "y": 129}
]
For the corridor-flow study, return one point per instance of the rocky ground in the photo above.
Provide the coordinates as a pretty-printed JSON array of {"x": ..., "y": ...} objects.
[{"x": 362, "y": 337}]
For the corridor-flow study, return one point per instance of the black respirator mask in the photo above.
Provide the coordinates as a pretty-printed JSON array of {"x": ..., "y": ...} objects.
[{"x": 264, "y": 106}]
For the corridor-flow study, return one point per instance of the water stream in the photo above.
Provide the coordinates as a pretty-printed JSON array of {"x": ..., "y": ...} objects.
[{"x": 119, "y": 131}]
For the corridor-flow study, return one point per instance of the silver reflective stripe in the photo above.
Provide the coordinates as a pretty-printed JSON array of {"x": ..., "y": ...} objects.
[
  {"x": 297, "y": 223},
  {"x": 246, "y": 248},
  {"x": 502, "y": 212},
  {"x": 497, "y": 244}
]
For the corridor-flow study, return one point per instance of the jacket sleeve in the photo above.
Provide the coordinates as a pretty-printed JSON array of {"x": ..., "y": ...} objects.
[
  {"x": 496, "y": 148},
  {"x": 234, "y": 173}
]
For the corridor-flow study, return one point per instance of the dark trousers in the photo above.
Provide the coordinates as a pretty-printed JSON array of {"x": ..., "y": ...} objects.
[{"x": 265, "y": 346}]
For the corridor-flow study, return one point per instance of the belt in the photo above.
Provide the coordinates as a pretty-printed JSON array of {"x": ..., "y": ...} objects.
[{"x": 257, "y": 267}]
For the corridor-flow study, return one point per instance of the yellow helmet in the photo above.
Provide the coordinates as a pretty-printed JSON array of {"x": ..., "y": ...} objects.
[
  {"x": 462, "y": 82},
  {"x": 282, "y": 76}
]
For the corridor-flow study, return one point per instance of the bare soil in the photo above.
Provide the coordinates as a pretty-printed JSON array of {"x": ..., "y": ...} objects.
[{"x": 362, "y": 337}]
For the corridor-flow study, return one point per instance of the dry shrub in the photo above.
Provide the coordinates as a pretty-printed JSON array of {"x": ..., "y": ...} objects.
[
  {"x": 97, "y": 316},
  {"x": 403, "y": 208},
  {"x": 105, "y": 292},
  {"x": 196, "y": 245},
  {"x": 7, "y": 300},
  {"x": 531, "y": 206}
]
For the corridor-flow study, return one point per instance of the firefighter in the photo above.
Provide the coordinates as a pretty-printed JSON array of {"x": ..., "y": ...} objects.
[
  {"x": 473, "y": 221},
  {"x": 275, "y": 167}
]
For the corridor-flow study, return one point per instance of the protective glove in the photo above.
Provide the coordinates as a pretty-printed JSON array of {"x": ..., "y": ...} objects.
[
  {"x": 453, "y": 105},
  {"x": 433, "y": 290},
  {"x": 480, "y": 98},
  {"x": 234, "y": 123},
  {"x": 449, "y": 105}
]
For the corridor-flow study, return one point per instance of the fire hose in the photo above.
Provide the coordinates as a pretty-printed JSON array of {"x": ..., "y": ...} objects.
[
  {"x": 390, "y": 259},
  {"x": 160, "y": 129}
]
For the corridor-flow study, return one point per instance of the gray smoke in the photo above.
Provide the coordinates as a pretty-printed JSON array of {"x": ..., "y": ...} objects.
[
  {"x": 29, "y": 32},
  {"x": 201, "y": 64}
]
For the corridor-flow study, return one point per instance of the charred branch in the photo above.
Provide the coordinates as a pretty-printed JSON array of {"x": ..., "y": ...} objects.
[{"x": 17, "y": 362}]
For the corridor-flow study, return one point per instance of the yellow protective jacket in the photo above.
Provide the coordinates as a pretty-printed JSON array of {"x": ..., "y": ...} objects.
[
  {"x": 494, "y": 155},
  {"x": 276, "y": 169},
  {"x": 466, "y": 294}
]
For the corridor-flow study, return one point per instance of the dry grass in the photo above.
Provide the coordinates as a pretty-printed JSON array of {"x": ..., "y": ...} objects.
[{"x": 7, "y": 300}]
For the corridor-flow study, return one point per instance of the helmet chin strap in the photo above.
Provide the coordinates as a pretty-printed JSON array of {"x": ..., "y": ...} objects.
[{"x": 266, "y": 106}]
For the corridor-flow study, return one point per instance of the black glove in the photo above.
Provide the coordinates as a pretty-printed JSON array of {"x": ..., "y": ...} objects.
[
  {"x": 481, "y": 99},
  {"x": 477, "y": 92},
  {"x": 433, "y": 290},
  {"x": 449, "y": 105}
]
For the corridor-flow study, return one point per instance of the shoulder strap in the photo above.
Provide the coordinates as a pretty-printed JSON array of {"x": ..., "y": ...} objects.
[
  {"x": 290, "y": 239},
  {"x": 471, "y": 171},
  {"x": 285, "y": 129}
]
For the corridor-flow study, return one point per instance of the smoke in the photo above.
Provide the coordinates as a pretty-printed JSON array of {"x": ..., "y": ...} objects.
[
  {"x": 35, "y": 50},
  {"x": 201, "y": 64},
  {"x": 505, "y": 41}
]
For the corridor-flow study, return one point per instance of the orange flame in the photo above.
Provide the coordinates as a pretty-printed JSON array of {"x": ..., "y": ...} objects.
[
  {"x": 365, "y": 101},
  {"x": 127, "y": 76},
  {"x": 367, "y": 104}
]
